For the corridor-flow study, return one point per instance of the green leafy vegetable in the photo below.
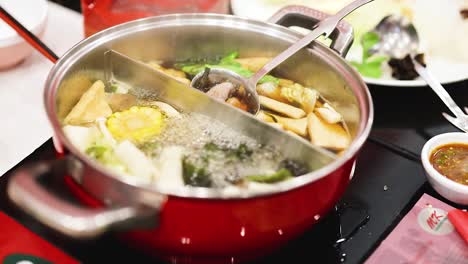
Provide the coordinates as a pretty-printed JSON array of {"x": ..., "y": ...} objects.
[
  {"x": 230, "y": 58},
  {"x": 195, "y": 175},
  {"x": 212, "y": 147},
  {"x": 280, "y": 175},
  {"x": 104, "y": 154},
  {"x": 113, "y": 88},
  {"x": 228, "y": 62},
  {"x": 242, "y": 152},
  {"x": 368, "y": 70},
  {"x": 193, "y": 69},
  {"x": 368, "y": 41},
  {"x": 97, "y": 152},
  {"x": 371, "y": 65},
  {"x": 269, "y": 78},
  {"x": 296, "y": 167}
]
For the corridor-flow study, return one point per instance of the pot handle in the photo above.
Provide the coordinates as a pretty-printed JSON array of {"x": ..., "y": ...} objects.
[
  {"x": 72, "y": 220},
  {"x": 301, "y": 16}
]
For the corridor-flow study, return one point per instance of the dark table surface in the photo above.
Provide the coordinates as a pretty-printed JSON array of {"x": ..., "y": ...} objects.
[{"x": 387, "y": 183}]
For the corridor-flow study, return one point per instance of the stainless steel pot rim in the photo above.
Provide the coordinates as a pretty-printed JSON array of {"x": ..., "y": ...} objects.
[{"x": 102, "y": 37}]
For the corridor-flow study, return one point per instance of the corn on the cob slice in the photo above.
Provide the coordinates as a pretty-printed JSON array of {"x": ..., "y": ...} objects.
[{"x": 137, "y": 124}]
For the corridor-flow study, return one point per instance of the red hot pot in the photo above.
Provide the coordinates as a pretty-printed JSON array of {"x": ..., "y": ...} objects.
[{"x": 198, "y": 226}]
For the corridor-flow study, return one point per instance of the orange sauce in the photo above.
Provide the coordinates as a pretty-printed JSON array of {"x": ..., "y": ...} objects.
[{"x": 452, "y": 161}]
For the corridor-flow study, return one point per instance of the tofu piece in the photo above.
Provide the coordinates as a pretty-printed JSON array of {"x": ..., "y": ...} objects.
[
  {"x": 285, "y": 82},
  {"x": 70, "y": 92},
  {"x": 299, "y": 95},
  {"x": 254, "y": 63},
  {"x": 298, "y": 126},
  {"x": 323, "y": 134},
  {"x": 277, "y": 125},
  {"x": 265, "y": 117},
  {"x": 91, "y": 106},
  {"x": 281, "y": 108},
  {"x": 271, "y": 90},
  {"x": 176, "y": 74}
]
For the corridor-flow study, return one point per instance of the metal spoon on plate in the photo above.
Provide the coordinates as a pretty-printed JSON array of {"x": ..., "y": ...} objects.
[
  {"x": 324, "y": 27},
  {"x": 398, "y": 38}
]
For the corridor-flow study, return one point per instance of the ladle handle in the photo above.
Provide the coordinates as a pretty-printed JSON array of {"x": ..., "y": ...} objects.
[
  {"x": 324, "y": 27},
  {"x": 305, "y": 17},
  {"x": 26, "y": 192}
]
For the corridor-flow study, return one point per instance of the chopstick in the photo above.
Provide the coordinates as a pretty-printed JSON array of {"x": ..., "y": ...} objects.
[
  {"x": 408, "y": 154},
  {"x": 27, "y": 35}
]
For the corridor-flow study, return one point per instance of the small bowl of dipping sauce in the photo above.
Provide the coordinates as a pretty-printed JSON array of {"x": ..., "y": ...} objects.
[{"x": 445, "y": 159}]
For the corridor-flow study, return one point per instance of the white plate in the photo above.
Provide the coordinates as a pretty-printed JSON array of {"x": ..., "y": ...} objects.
[{"x": 446, "y": 65}]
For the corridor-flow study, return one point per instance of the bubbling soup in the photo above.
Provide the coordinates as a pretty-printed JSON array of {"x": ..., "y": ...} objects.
[{"x": 154, "y": 142}]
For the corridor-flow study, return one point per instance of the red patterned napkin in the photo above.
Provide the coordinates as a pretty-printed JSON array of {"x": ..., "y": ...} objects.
[
  {"x": 19, "y": 245},
  {"x": 424, "y": 235}
]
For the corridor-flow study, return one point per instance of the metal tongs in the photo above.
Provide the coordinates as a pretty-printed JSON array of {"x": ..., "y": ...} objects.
[{"x": 399, "y": 38}]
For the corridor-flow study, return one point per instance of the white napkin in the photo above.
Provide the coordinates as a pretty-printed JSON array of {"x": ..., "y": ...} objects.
[{"x": 23, "y": 122}]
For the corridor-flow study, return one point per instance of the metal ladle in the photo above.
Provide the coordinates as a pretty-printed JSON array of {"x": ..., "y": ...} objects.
[
  {"x": 398, "y": 38},
  {"x": 324, "y": 27}
]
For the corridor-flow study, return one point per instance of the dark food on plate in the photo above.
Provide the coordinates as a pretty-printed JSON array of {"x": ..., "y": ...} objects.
[
  {"x": 452, "y": 161},
  {"x": 464, "y": 13},
  {"x": 403, "y": 69}
]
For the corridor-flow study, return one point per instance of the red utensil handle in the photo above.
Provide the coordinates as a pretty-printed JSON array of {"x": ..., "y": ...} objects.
[
  {"x": 27, "y": 35},
  {"x": 459, "y": 219}
]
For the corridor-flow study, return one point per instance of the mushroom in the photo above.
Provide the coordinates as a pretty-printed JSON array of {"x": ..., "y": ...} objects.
[{"x": 120, "y": 102}]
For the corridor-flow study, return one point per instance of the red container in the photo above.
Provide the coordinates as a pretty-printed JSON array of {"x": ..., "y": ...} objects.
[
  {"x": 196, "y": 226},
  {"x": 245, "y": 229},
  {"x": 102, "y": 14}
]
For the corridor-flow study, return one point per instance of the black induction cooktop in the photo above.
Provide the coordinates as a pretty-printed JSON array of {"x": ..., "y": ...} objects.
[{"x": 388, "y": 180}]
